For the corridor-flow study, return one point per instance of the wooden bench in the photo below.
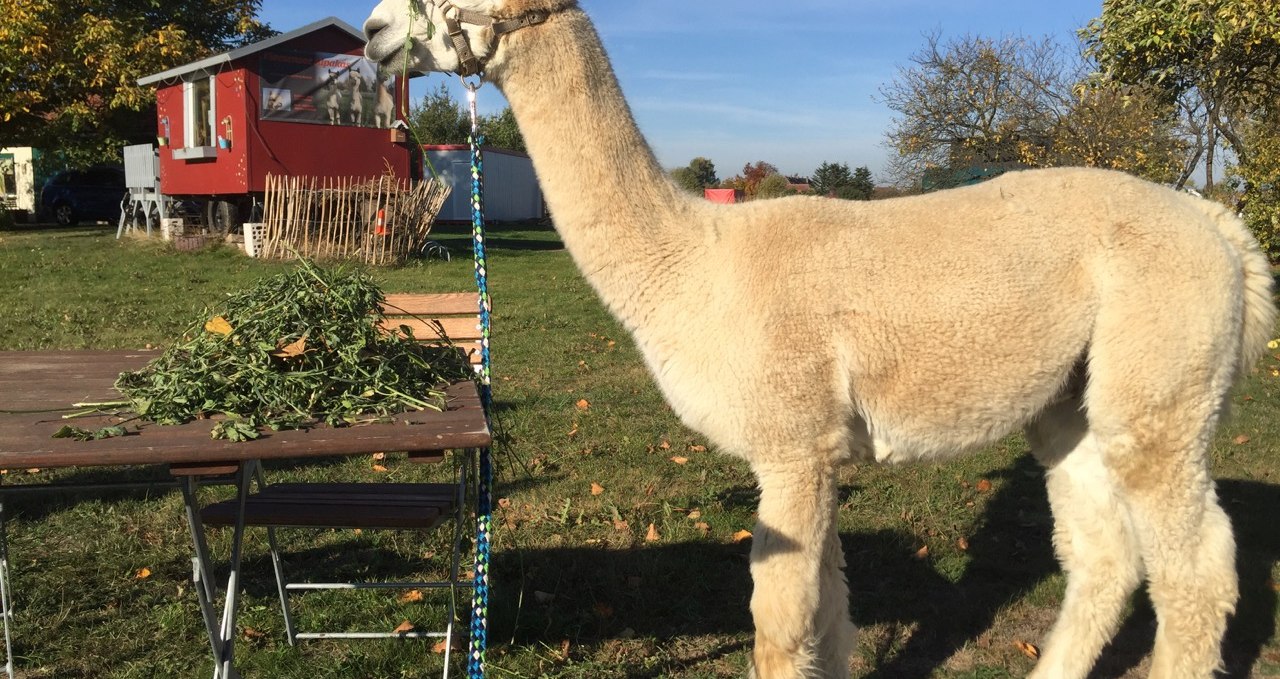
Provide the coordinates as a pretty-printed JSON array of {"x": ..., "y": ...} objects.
[{"x": 373, "y": 505}]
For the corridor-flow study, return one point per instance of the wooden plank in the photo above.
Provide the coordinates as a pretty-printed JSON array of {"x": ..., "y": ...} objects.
[
  {"x": 454, "y": 328},
  {"x": 429, "y": 305},
  {"x": 26, "y": 437}
]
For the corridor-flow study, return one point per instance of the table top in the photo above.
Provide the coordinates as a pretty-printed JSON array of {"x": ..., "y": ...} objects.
[{"x": 32, "y": 381}]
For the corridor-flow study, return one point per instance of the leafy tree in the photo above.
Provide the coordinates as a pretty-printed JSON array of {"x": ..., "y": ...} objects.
[
  {"x": 1259, "y": 174},
  {"x": 69, "y": 68},
  {"x": 1120, "y": 128},
  {"x": 699, "y": 174},
  {"x": 685, "y": 179},
  {"x": 862, "y": 185},
  {"x": 977, "y": 102},
  {"x": 1225, "y": 56},
  {"x": 773, "y": 186},
  {"x": 501, "y": 130},
  {"x": 753, "y": 174},
  {"x": 704, "y": 172},
  {"x": 1228, "y": 50},
  {"x": 829, "y": 177},
  {"x": 438, "y": 118},
  {"x": 973, "y": 101}
]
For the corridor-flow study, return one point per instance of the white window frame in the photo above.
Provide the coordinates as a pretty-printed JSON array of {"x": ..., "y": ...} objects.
[{"x": 190, "y": 120}]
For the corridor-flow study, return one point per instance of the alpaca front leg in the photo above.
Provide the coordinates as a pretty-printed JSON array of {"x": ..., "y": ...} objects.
[{"x": 793, "y": 536}]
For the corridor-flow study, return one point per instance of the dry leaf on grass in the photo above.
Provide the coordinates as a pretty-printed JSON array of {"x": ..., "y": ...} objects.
[
  {"x": 1028, "y": 649},
  {"x": 665, "y": 445},
  {"x": 652, "y": 534},
  {"x": 921, "y": 554},
  {"x": 403, "y": 628},
  {"x": 702, "y": 528},
  {"x": 962, "y": 544},
  {"x": 504, "y": 502},
  {"x": 583, "y": 404},
  {"x": 143, "y": 573},
  {"x": 742, "y": 536},
  {"x": 411, "y": 596},
  {"x": 695, "y": 514},
  {"x": 250, "y": 633},
  {"x": 984, "y": 486},
  {"x": 698, "y": 449},
  {"x": 378, "y": 457},
  {"x": 679, "y": 459},
  {"x": 596, "y": 488},
  {"x": 379, "y": 468},
  {"x": 1241, "y": 439},
  {"x": 621, "y": 526}
]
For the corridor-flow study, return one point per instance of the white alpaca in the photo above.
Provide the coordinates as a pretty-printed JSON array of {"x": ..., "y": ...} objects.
[
  {"x": 332, "y": 95},
  {"x": 356, "y": 84},
  {"x": 1105, "y": 315},
  {"x": 384, "y": 111}
]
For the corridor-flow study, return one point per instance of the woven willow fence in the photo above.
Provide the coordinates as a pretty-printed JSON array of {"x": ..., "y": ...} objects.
[{"x": 380, "y": 221}]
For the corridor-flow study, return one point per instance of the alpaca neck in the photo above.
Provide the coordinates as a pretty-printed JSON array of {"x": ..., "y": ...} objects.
[{"x": 615, "y": 208}]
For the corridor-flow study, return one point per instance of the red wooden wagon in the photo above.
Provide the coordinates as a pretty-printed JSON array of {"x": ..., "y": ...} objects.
[{"x": 303, "y": 103}]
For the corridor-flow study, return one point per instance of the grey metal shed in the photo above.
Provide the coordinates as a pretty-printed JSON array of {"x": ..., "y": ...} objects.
[{"x": 511, "y": 191}]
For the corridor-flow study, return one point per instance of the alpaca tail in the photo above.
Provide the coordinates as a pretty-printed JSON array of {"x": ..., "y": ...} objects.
[{"x": 1259, "y": 314}]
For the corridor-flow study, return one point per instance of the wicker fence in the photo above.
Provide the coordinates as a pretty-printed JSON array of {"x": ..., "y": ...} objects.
[{"x": 379, "y": 221}]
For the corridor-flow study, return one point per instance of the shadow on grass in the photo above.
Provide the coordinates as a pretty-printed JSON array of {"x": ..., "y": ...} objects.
[
  {"x": 664, "y": 592},
  {"x": 1009, "y": 555},
  {"x": 594, "y": 596},
  {"x": 457, "y": 237}
]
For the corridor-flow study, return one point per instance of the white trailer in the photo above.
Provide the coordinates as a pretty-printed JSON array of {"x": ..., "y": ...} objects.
[{"x": 18, "y": 189}]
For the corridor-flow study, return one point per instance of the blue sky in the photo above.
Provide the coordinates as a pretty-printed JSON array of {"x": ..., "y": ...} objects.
[{"x": 791, "y": 83}]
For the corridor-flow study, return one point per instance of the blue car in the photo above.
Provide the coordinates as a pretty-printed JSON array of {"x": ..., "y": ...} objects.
[{"x": 93, "y": 194}]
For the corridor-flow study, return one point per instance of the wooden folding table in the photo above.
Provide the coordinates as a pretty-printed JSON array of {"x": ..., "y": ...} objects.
[{"x": 37, "y": 388}]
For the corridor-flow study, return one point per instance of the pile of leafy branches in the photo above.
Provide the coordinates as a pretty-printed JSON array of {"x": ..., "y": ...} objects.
[{"x": 298, "y": 348}]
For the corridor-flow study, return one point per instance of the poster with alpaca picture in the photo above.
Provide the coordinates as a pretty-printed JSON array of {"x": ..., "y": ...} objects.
[{"x": 325, "y": 88}]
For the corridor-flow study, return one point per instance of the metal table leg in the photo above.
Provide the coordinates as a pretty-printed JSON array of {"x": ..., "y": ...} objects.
[{"x": 221, "y": 635}]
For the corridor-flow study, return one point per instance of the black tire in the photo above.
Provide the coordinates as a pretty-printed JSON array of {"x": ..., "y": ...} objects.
[
  {"x": 222, "y": 217},
  {"x": 65, "y": 215}
]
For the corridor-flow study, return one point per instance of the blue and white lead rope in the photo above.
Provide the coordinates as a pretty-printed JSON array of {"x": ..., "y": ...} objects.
[{"x": 484, "y": 499}]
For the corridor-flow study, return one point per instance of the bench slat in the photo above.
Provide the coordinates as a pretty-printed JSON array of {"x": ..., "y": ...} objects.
[{"x": 342, "y": 505}]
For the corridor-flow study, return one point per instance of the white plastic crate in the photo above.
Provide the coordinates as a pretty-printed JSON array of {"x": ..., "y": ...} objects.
[{"x": 254, "y": 235}]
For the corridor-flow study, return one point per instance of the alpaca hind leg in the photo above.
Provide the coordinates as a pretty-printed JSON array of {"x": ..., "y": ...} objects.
[
  {"x": 793, "y": 534},
  {"x": 1092, "y": 536},
  {"x": 837, "y": 636},
  {"x": 1189, "y": 554}
]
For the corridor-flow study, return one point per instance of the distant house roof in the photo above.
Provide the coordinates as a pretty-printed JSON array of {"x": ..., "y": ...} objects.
[{"x": 253, "y": 48}]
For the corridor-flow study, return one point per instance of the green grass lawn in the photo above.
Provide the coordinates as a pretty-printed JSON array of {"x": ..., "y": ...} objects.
[{"x": 580, "y": 589}]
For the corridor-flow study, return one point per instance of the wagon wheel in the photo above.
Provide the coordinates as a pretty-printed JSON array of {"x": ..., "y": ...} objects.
[{"x": 222, "y": 217}]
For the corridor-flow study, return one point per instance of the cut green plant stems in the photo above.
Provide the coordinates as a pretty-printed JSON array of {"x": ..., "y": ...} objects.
[
  {"x": 298, "y": 348},
  {"x": 404, "y": 73}
]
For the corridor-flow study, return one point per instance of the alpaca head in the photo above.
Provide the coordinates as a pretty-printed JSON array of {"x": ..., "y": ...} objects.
[{"x": 421, "y": 28}]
